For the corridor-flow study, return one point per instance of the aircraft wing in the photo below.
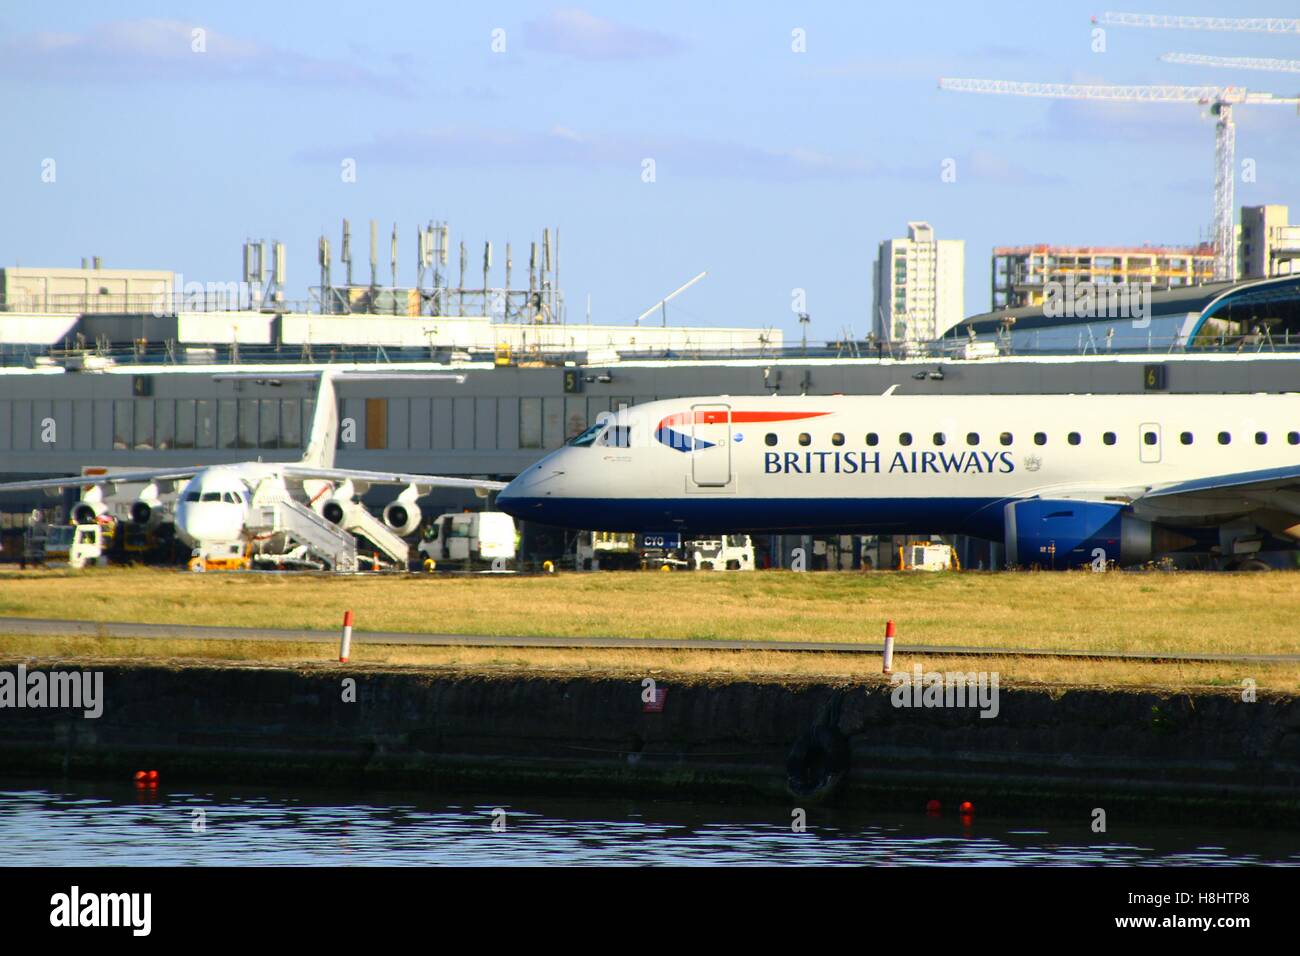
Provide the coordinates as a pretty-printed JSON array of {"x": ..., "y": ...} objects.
[
  {"x": 424, "y": 482},
  {"x": 1242, "y": 483},
  {"x": 113, "y": 478}
]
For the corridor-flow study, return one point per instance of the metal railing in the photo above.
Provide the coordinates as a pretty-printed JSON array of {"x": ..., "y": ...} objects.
[{"x": 169, "y": 353}]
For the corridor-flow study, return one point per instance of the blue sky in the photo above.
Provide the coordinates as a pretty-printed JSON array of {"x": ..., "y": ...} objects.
[{"x": 775, "y": 170}]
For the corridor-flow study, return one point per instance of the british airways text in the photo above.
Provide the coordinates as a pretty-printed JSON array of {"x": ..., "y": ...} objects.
[{"x": 870, "y": 462}]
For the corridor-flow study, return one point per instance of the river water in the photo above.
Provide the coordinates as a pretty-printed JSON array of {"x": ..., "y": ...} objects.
[{"x": 82, "y": 823}]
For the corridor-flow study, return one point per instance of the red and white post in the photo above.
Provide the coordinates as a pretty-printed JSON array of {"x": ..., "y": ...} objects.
[
  {"x": 889, "y": 648},
  {"x": 345, "y": 646}
]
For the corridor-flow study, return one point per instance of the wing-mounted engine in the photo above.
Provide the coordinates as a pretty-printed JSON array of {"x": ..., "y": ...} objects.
[
  {"x": 1071, "y": 533},
  {"x": 342, "y": 507},
  {"x": 402, "y": 516},
  {"x": 147, "y": 509},
  {"x": 90, "y": 507}
]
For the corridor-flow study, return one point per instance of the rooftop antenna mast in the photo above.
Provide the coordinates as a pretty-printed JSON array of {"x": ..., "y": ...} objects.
[
  {"x": 345, "y": 254},
  {"x": 326, "y": 289}
]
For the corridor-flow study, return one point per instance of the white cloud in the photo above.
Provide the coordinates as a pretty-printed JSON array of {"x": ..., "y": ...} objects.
[{"x": 153, "y": 50}]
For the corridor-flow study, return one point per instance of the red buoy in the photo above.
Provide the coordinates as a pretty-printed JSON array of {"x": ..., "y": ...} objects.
[
  {"x": 933, "y": 807},
  {"x": 967, "y": 808}
]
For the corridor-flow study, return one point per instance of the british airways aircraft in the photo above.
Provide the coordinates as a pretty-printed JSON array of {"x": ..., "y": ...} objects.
[{"x": 1061, "y": 480}]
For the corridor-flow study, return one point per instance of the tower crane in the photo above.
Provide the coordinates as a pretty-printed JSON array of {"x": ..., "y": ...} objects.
[
  {"x": 1269, "y": 64},
  {"x": 1220, "y": 101},
  {"x": 1226, "y": 24}
]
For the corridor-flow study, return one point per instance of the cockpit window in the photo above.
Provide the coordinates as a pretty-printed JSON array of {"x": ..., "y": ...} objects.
[
  {"x": 229, "y": 498},
  {"x": 617, "y": 436},
  {"x": 587, "y": 437},
  {"x": 192, "y": 496},
  {"x": 211, "y": 496}
]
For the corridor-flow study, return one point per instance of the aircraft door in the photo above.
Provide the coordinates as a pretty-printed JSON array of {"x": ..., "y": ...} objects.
[
  {"x": 1149, "y": 442},
  {"x": 711, "y": 445}
]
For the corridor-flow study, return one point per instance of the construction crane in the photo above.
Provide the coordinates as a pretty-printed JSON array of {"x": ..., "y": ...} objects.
[
  {"x": 1220, "y": 101},
  {"x": 1225, "y": 24},
  {"x": 1269, "y": 64}
]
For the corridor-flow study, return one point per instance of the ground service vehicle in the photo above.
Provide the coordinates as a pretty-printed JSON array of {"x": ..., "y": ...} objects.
[{"x": 469, "y": 539}]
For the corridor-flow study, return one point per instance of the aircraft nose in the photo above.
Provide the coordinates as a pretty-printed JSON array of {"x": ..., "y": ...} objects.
[{"x": 525, "y": 494}]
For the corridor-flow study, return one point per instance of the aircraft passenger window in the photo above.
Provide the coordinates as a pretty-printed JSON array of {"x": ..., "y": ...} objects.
[
  {"x": 192, "y": 496},
  {"x": 1261, "y": 438},
  {"x": 1293, "y": 438},
  {"x": 587, "y": 437},
  {"x": 1074, "y": 438},
  {"x": 972, "y": 438},
  {"x": 872, "y": 438},
  {"x": 1185, "y": 438},
  {"x": 1149, "y": 438},
  {"x": 939, "y": 438},
  {"x": 837, "y": 438},
  {"x": 805, "y": 438},
  {"x": 770, "y": 438},
  {"x": 1040, "y": 438},
  {"x": 905, "y": 438},
  {"x": 1006, "y": 438},
  {"x": 211, "y": 496},
  {"x": 1224, "y": 438},
  {"x": 1108, "y": 438}
]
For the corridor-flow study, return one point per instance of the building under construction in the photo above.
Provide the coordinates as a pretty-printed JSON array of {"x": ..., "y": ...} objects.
[{"x": 1021, "y": 273}]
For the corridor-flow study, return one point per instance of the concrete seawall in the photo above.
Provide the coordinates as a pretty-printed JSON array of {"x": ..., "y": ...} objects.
[{"x": 1202, "y": 757}]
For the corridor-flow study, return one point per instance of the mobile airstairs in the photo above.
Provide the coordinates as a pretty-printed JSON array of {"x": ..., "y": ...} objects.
[{"x": 287, "y": 532}]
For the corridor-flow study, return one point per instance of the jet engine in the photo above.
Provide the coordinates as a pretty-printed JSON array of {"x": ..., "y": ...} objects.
[
  {"x": 1068, "y": 533},
  {"x": 339, "y": 509},
  {"x": 90, "y": 507},
  {"x": 147, "y": 509},
  {"x": 340, "y": 506},
  {"x": 403, "y": 515}
]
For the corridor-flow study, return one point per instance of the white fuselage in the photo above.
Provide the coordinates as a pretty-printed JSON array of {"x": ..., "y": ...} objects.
[
  {"x": 893, "y": 463},
  {"x": 213, "y": 506}
]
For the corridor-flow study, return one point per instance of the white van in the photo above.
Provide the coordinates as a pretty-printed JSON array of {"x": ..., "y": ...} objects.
[{"x": 464, "y": 540}]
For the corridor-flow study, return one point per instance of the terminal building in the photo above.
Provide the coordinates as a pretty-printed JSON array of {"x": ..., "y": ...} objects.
[{"x": 172, "y": 387}]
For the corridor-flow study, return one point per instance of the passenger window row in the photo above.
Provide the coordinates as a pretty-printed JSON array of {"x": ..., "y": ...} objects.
[{"x": 1040, "y": 438}]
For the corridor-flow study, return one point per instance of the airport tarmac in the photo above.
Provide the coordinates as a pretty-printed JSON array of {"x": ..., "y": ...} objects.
[{"x": 120, "y": 629}]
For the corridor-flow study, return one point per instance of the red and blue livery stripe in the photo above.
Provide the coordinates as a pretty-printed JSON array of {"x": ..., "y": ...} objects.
[{"x": 668, "y": 435}]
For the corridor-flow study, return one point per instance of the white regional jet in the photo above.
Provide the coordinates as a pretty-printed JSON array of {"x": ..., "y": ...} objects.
[
  {"x": 1061, "y": 480},
  {"x": 216, "y": 504}
]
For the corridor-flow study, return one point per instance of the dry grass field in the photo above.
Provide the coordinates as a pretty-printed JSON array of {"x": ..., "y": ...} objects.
[{"x": 1155, "y": 612}]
